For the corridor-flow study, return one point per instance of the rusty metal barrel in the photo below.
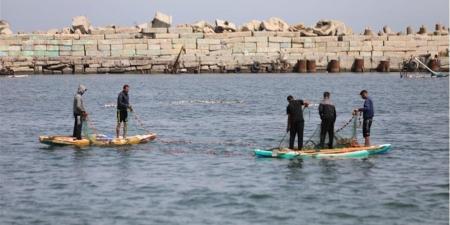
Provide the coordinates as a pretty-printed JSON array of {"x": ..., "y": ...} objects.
[
  {"x": 301, "y": 66},
  {"x": 333, "y": 66},
  {"x": 358, "y": 66},
  {"x": 311, "y": 66},
  {"x": 384, "y": 66},
  {"x": 434, "y": 65}
]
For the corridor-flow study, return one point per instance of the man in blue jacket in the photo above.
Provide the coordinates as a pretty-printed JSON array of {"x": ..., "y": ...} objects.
[
  {"x": 123, "y": 104},
  {"x": 368, "y": 113}
]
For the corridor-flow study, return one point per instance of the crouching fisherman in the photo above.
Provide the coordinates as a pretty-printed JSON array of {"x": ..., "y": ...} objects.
[
  {"x": 79, "y": 112},
  {"x": 123, "y": 104},
  {"x": 327, "y": 113},
  {"x": 295, "y": 123}
]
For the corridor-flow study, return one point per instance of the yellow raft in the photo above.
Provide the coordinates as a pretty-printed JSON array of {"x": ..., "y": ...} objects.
[{"x": 97, "y": 140}]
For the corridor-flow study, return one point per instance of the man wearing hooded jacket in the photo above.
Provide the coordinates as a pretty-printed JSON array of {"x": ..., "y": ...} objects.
[{"x": 79, "y": 112}]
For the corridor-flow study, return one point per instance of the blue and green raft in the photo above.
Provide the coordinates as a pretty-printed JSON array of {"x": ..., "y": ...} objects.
[{"x": 350, "y": 152}]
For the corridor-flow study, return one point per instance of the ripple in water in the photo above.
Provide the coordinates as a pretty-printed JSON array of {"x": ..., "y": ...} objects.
[{"x": 201, "y": 169}]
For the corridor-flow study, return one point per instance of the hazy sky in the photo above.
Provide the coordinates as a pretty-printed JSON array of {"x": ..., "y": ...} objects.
[{"x": 30, "y": 15}]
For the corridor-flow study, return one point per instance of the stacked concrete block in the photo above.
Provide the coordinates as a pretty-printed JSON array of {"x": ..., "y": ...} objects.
[
  {"x": 192, "y": 35},
  {"x": 346, "y": 62},
  {"x": 180, "y": 30},
  {"x": 227, "y": 35},
  {"x": 92, "y": 37},
  {"x": 153, "y": 30},
  {"x": 238, "y": 48},
  {"x": 264, "y": 34},
  {"x": 280, "y": 42},
  {"x": 120, "y": 36},
  {"x": 103, "y": 31},
  {"x": 188, "y": 43},
  {"x": 249, "y": 47},
  {"x": 166, "y": 36},
  {"x": 214, "y": 51}
]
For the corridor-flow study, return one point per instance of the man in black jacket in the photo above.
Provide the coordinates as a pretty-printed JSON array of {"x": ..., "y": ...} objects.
[
  {"x": 327, "y": 113},
  {"x": 295, "y": 123},
  {"x": 123, "y": 104}
]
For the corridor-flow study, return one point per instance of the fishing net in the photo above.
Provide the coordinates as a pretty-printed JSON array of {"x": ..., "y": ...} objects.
[
  {"x": 91, "y": 133},
  {"x": 135, "y": 124},
  {"x": 345, "y": 136},
  {"x": 134, "y": 127}
]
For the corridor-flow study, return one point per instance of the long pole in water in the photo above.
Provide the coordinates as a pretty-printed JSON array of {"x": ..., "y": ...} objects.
[
  {"x": 176, "y": 63},
  {"x": 426, "y": 67}
]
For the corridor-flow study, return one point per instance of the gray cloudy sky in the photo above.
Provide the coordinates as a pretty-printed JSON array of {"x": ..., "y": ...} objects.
[{"x": 30, "y": 15}]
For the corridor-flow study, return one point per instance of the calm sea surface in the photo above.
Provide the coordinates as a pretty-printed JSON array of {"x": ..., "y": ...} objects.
[{"x": 201, "y": 169}]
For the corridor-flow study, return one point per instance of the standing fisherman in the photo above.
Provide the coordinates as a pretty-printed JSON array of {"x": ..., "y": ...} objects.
[
  {"x": 295, "y": 122},
  {"x": 327, "y": 113},
  {"x": 123, "y": 105},
  {"x": 79, "y": 112},
  {"x": 368, "y": 113}
]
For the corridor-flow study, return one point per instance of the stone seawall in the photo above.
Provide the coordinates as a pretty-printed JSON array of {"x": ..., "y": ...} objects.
[{"x": 156, "y": 50}]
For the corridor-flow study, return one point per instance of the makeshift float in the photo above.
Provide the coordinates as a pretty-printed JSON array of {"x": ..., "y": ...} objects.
[{"x": 345, "y": 145}]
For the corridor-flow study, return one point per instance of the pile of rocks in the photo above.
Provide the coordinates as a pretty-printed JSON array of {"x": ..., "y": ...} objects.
[
  {"x": 161, "y": 20},
  {"x": 81, "y": 25},
  {"x": 201, "y": 27},
  {"x": 221, "y": 26},
  {"x": 331, "y": 28},
  {"x": 322, "y": 28},
  {"x": 274, "y": 24},
  {"x": 161, "y": 23},
  {"x": 224, "y": 26},
  {"x": 4, "y": 28}
]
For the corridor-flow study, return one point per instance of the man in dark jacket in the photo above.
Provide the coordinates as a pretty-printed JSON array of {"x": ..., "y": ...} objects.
[
  {"x": 327, "y": 113},
  {"x": 79, "y": 112},
  {"x": 295, "y": 123},
  {"x": 123, "y": 104},
  {"x": 368, "y": 113}
]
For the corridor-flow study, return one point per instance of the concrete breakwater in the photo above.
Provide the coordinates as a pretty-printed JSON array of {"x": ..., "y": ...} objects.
[{"x": 155, "y": 50}]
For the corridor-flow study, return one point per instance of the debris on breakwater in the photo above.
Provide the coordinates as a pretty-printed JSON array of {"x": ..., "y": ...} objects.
[
  {"x": 268, "y": 46},
  {"x": 4, "y": 28}
]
